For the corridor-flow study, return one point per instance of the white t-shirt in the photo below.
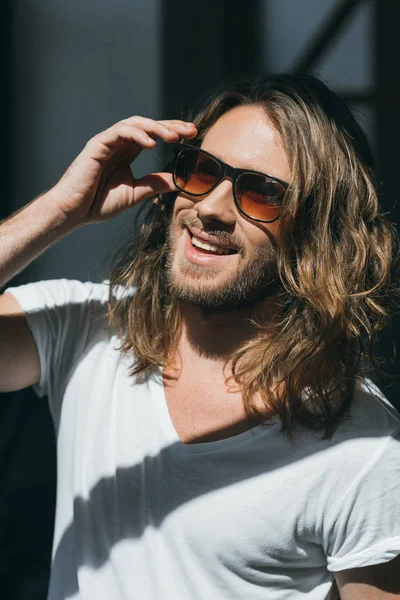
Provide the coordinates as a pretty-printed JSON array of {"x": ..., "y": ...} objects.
[{"x": 142, "y": 516}]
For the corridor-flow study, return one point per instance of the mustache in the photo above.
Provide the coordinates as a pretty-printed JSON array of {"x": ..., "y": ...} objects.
[{"x": 224, "y": 236}]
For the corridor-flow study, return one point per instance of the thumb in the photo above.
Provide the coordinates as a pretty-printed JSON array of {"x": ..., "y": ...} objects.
[{"x": 155, "y": 183}]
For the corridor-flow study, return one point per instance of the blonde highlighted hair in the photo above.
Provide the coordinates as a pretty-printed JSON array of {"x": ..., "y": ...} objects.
[{"x": 335, "y": 263}]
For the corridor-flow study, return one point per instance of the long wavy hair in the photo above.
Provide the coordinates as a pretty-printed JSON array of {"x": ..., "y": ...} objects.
[{"x": 335, "y": 262}]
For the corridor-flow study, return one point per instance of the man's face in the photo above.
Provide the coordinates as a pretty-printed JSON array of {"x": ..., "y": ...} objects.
[{"x": 244, "y": 137}]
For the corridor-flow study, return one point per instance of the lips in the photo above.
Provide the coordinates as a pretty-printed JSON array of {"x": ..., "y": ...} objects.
[
  {"x": 209, "y": 247},
  {"x": 210, "y": 243},
  {"x": 202, "y": 257}
]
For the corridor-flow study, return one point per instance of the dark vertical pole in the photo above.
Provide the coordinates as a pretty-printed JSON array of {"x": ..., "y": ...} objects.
[
  {"x": 387, "y": 82},
  {"x": 7, "y": 77},
  {"x": 203, "y": 43},
  {"x": 27, "y": 452},
  {"x": 243, "y": 30}
]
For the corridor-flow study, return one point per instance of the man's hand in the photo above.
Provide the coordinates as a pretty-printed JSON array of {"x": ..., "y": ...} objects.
[{"x": 99, "y": 183}]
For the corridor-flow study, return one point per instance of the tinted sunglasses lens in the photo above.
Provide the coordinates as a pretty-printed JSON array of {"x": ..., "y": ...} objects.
[
  {"x": 258, "y": 196},
  {"x": 195, "y": 172}
]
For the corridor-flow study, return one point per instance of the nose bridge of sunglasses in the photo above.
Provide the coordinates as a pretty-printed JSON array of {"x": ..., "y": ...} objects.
[
  {"x": 225, "y": 186},
  {"x": 222, "y": 173},
  {"x": 220, "y": 191},
  {"x": 228, "y": 176}
]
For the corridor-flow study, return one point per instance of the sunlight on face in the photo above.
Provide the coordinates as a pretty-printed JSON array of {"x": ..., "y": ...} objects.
[{"x": 244, "y": 137}]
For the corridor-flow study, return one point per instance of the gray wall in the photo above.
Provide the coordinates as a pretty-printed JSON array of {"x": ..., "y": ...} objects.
[
  {"x": 348, "y": 62},
  {"x": 79, "y": 67}
]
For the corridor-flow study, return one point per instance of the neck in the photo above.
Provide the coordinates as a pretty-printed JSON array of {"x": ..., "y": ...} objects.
[{"x": 211, "y": 338}]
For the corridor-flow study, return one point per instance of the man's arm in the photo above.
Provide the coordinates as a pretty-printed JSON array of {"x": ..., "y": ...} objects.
[
  {"x": 98, "y": 186},
  {"x": 376, "y": 582},
  {"x": 23, "y": 237}
]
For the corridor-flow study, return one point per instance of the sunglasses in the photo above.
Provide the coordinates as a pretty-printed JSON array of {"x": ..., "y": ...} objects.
[{"x": 257, "y": 196}]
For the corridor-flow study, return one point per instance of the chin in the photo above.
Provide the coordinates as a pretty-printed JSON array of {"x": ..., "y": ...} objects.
[
  {"x": 222, "y": 285},
  {"x": 209, "y": 293}
]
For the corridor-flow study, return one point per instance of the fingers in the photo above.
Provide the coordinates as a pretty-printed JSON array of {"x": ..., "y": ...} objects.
[
  {"x": 140, "y": 131},
  {"x": 111, "y": 138},
  {"x": 185, "y": 129},
  {"x": 168, "y": 130},
  {"x": 155, "y": 183}
]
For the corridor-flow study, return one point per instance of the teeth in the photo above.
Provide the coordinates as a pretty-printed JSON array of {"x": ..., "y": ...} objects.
[{"x": 207, "y": 246}]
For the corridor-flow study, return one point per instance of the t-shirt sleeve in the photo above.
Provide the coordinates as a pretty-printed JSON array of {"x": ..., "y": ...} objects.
[
  {"x": 63, "y": 316},
  {"x": 363, "y": 528}
]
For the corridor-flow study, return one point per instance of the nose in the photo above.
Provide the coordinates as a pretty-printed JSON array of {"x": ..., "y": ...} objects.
[{"x": 218, "y": 205}]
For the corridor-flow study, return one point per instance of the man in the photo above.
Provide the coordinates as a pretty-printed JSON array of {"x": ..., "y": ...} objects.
[{"x": 216, "y": 434}]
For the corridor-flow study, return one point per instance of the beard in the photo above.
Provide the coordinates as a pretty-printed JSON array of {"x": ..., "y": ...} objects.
[{"x": 256, "y": 280}]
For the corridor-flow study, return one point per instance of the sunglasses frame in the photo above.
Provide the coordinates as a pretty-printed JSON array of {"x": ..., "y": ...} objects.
[{"x": 226, "y": 171}]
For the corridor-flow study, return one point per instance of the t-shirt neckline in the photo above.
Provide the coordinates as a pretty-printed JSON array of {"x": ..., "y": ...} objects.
[{"x": 157, "y": 387}]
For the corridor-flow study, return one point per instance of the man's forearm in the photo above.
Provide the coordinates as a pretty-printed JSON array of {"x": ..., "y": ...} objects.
[{"x": 28, "y": 233}]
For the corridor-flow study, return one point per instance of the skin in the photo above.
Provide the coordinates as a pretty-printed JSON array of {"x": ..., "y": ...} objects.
[
  {"x": 243, "y": 137},
  {"x": 376, "y": 582},
  {"x": 100, "y": 185}
]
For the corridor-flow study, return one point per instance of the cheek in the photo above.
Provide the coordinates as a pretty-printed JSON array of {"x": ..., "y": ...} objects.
[
  {"x": 181, "y": 203},
  {"x": 179, "y": 214},
  {"x": 258, "y": 236},
  {"x": 274, "y": 231}
]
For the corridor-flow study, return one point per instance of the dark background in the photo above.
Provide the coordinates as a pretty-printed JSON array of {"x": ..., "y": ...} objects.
[{"x": 72, "y": 69}]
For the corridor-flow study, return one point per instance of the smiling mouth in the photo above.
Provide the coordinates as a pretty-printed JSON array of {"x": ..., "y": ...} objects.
[{"x": 208, "y": 248}]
